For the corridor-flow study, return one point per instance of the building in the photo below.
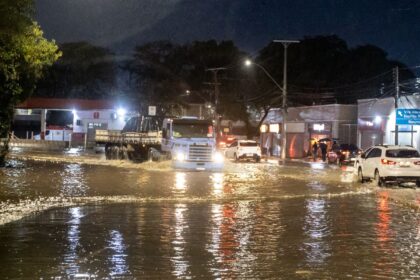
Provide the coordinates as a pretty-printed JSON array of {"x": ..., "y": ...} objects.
[
  {"x": 376, "y": 122},
  {"x": 308, "y": 124},
  {"x": 66, "y": 119}
]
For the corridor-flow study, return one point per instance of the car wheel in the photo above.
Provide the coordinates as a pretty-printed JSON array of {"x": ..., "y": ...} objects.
[
  {"x": 378, "y": 179},
  {"x": 258, "y": 159},
  {"x": 360, "y": 175}
]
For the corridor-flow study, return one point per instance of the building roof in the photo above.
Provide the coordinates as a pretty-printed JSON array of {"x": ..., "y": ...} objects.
[{"x": 67, "y": 104}]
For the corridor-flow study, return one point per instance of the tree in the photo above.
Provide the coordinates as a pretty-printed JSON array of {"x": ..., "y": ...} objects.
[
  {"x": 83, "y": 71},
  {"x": 163, "y": 71},
  {"x": 323, "y": 69},
  {"x": 24, "y": 53}
]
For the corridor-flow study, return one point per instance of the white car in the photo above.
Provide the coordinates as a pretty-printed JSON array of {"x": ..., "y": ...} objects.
[
  {"x": 389, "y": 164},
  {"x": 243, "y": 149}
]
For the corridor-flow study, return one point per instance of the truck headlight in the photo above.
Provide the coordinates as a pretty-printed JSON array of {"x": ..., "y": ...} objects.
[
  {"x": 180, "y": 156},
  {"x": 218, "y": 157}
]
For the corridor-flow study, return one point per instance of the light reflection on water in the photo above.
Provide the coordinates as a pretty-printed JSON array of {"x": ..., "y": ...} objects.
[
  {"x": 118, "y": 255},
  {"x": 317, "y": 229},
  {"x": 179, "y": 262},
  {"x": 73, "y": 180},
  {"x": 71, "y": 258},
  {"x": 257, "y": 222}
]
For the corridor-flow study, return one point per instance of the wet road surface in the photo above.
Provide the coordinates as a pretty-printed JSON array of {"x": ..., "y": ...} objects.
[{"x": 251, "y": 221}]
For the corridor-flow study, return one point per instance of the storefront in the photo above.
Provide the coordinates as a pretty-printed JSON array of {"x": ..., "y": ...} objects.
[
  {"x": 308, "y": 124},
  {"x": 376, "y": 122}
]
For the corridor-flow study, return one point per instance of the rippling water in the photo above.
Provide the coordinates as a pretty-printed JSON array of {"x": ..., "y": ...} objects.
[{"x": 250, "y": 221}]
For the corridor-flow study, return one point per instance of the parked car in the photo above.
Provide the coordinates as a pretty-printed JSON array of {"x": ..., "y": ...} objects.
[
  {"x": 389, "y": 164},
  {"x": 244, "y": 149},
  {"x": 343, "y": 153}
]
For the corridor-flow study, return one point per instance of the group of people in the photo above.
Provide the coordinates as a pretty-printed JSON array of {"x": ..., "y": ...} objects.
[{"x": 324, "y": 149}]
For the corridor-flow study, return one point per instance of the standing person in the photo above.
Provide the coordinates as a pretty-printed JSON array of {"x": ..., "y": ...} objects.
[
  {"x": 323, "y": 147},
  {"x": 315, "y": 150}
]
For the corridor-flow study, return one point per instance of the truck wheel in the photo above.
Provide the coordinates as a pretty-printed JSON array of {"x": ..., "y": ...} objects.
[{"x": 378, "y": 180}]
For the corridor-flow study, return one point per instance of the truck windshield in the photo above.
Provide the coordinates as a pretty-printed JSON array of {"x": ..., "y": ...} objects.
[{"x": 192, "y": 130}]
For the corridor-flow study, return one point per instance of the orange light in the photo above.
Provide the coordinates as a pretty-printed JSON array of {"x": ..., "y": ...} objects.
[{"x": 388, "y": 162}]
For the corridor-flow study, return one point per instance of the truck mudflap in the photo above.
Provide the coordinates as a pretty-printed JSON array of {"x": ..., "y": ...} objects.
[{"x": 199, "y": 166}]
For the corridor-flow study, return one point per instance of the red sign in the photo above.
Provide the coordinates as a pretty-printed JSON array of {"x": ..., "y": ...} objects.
[{"x": 96, "y": 115}]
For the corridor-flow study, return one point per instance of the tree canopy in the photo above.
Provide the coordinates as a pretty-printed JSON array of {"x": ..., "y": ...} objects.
[
  {"x": 83, "y": 71},
  {"x": 24, "y": 53},
  {"x": 323, "y": 69}
]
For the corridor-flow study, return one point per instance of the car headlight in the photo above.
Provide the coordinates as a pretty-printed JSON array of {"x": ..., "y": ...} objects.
[
  {"x": 218, "y": 157},
  {"x": 180, "y": 156}
]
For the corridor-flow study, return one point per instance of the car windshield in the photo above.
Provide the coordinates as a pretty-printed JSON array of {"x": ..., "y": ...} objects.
[
  {"x": 402, "y": 153},
  {"x": 192, "y": 131},
  {"x": 248, "y": 144}
]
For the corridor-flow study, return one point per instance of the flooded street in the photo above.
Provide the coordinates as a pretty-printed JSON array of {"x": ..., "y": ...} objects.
[{"x": 298, "y": 221}]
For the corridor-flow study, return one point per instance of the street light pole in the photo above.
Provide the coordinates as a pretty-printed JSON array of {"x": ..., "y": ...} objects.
[
  {"x": 216, "y": 95},
  {"x": 285, "y": 44}
]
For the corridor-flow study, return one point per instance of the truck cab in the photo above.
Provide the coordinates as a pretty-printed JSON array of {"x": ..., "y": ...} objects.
[{"x": 191, "y": 144}]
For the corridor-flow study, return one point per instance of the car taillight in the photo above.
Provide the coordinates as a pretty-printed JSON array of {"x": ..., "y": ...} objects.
[
  {"x": 417, "y": 162},
  {"x": 388, "y": 162}
]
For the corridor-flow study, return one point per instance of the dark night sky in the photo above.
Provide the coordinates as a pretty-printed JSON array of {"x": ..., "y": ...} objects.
[{"x": 393, "y": 25}]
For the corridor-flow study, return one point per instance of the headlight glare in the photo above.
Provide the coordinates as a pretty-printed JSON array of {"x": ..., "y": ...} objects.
[{"x": 218, "y": 157}]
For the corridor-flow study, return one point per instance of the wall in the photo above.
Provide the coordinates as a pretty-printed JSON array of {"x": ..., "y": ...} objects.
[
  {"x": 369, "y": 109},
  {"x": 105, "y": 116}
]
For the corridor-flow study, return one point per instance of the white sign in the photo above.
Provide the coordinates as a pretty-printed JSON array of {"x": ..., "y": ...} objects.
[
  {"x": 152, "y": 110},
  {"x": 319, "y": 127}
]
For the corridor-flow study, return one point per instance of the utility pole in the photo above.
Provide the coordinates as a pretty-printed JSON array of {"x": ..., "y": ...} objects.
[
  {"x": 285, "y": 44},
  {"x": 216, "y": 94},
  {"x": 397, "y": 96}
]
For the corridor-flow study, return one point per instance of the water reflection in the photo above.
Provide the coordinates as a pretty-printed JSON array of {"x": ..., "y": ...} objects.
[
  {"x": 71, "y": 257},
  {"x": 217, "y": 182},
  {"x": 73, "y": 180},
  {"x": 224, "y": 242},
  {"x": 118, "y": 254},
  {"x": 180, "y": 182},
  {"x": 179, "y": 262},
  {"x": 384, "y": 235},
  {"x": 316, "y": 227}
]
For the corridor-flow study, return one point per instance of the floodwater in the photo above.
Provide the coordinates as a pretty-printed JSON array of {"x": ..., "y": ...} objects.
[{"x": 78, "y": 221}]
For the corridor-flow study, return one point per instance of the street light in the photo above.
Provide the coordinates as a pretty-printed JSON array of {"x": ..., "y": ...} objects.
[{"x": 248, "y": 63}]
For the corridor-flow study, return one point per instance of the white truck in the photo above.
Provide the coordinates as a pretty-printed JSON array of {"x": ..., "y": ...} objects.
[{"x": 189, "y": 142}]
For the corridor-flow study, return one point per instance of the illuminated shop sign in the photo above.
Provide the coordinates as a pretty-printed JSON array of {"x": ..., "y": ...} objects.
[{"x": 318, "y": 127}]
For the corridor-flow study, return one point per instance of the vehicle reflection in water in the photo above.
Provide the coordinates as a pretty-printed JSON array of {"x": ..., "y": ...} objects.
[
  {"x": 118, "y": 255},
  {"x": 71, "y": 257},
  {"x": 384, "y": 236},
  {"x": 317, "y": 229},
  {"x": 179, "y": 261},
  {"x": 217, "y": 180},
  {"x": 73, "y": 180},
  {"x": 180, "y": 183}
]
